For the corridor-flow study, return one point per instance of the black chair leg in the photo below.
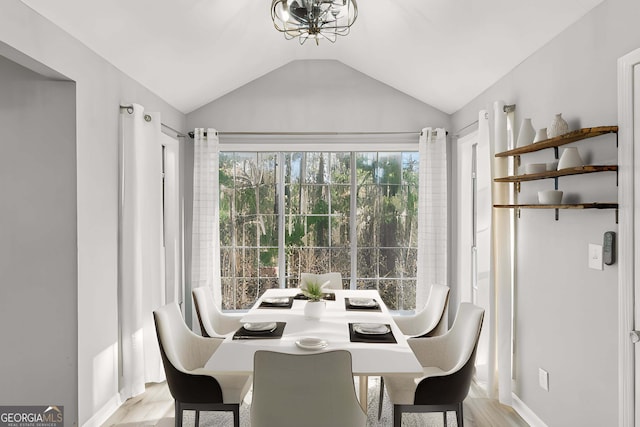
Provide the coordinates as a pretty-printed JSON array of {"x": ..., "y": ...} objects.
[
  {"x": 444, "y": 418},
  {"x": 197, "y": 424},
  {"x": 381, "y": 397},
  {"x": 178, "y": 412},
  {"x": 397, "y": 416},
  {"x": 236, "y": 416},
  {"x": 459, "y": 416}
]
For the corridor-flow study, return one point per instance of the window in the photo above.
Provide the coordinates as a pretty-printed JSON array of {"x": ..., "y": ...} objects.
[{"x": 283, "y": 213}]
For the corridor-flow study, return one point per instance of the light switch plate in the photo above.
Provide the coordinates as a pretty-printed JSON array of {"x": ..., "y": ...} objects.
[
  {"x": 543, "y": 379},
  {"x": 595, "y": 256}
]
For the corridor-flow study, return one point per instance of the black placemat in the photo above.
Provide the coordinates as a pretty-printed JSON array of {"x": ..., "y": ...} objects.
[
  {"x": 387, "y": 338},
  {"x": 328, "y": 296},
  {"x": 348, "y": 306},
  {"x": 265, "y": 304},
  {"x": 243, "y": 334}
]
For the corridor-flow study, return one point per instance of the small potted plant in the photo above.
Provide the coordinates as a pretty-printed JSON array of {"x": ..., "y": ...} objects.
[{"x": 315, "y": 305}]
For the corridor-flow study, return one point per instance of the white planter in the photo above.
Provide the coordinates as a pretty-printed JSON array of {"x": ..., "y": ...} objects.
[{"x": 314, "y": 309}]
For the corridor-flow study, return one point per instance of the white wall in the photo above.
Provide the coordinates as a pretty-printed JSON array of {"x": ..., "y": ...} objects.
[
  {"x": 566, "y": 318},
  {"x": 100, "y": 88},
  {"x": 38, "y": 252}
]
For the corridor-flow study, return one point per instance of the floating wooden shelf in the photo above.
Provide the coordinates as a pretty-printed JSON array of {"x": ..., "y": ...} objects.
[
  {"x": 554, "y": 143},
  {"x": 562, "y": 206},
  {"x": 555, "y": 174},
  {"x": 567, "y": 138}
]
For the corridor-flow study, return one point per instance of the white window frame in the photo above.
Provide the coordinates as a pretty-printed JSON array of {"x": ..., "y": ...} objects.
[{"x": 320, "y": 142}]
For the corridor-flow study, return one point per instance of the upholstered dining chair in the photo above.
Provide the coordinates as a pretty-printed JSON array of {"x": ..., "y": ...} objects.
[
  {"x": 310, "y": 390},
  {"x": 213, "y": 322},
  {"x": 448, "y": 363},
  {"x": 184, "y": 355},
  {"x": 334, "y": 279},
  {"x": 431, "y": 320}
]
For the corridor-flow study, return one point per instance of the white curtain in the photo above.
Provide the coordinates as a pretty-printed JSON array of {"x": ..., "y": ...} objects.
[
  {"x": 205, "y": 264},
  {"x": 432, "y": 213},
  {"x": 494, "y": 252},
  {"x": 141, "y": 272},
  {"x": 502, "y": 251}
]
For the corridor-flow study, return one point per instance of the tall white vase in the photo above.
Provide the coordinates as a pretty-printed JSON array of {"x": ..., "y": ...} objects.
[
  {"x": 526, "y": 134},
  {"x": 558, "y": 127}
]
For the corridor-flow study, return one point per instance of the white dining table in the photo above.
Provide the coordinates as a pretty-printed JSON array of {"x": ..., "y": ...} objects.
[{"x": 368, "y": 358}]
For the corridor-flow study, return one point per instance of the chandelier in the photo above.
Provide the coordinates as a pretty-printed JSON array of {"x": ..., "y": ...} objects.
[{"x": 314, "y": 19}]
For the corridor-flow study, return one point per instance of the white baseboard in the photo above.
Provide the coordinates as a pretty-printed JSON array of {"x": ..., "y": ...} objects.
[
  {"x": 105, "y": 412},
  {"x": 527, "y": 414}
]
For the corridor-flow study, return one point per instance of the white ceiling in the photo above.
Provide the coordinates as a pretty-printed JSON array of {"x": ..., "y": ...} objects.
[{"x": 190, "y": 52}]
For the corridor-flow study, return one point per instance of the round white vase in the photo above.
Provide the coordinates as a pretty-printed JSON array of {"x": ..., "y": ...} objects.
[
  {"x": 570, "y": 159},
  {"x": 558, "y": 127},
  {"x": 314, "y": 309},
  {"x": 526, "y": 133}
]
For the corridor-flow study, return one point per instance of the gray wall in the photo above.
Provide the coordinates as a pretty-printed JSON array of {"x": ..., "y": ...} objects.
[
  {"x": 38, "y": 240},
  {"x": 29, "y": 39},
  {"x": 312, "y": 96},
  {"x": 316, "y": 95},
  {"x": 566, "y": 313}
]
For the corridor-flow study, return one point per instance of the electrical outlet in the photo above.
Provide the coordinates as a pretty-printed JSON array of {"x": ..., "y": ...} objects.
[
  {"x": 595, "y": 256},
  {"x": 543, "y": 379}
]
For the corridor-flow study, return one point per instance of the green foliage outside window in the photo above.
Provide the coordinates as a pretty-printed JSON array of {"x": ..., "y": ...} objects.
[{"x": 316, "y": 219}]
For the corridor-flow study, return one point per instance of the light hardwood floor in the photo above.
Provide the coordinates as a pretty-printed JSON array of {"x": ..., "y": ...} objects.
[{"x": 155, "y": 408}]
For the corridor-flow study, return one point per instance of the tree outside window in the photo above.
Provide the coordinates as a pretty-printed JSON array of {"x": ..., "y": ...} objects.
[{"x": 304, "y": 200}]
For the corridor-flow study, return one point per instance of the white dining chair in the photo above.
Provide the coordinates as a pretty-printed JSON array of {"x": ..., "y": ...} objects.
[
  {"x": 310, "y": 390},
  {"x": 184, "y": 355},
  {"x": 448, "y": 365},
  {"x": 431, "y": 320},
  {"x": 213, "y": 322},
  {"x": 334, "y": 279},
  {"x": 428, "y": 322}
]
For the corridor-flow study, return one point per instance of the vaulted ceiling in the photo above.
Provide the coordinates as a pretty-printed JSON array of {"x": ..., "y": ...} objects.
[{"x": 191, "y": 52}]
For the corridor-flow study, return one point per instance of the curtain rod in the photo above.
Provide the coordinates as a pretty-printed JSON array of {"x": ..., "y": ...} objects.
[
  {"x": 506, "y": 108},
  {"x": 129, "y": 109},
  {"x": 191, "y": 134},
  {"x": 465, "y": 127}
]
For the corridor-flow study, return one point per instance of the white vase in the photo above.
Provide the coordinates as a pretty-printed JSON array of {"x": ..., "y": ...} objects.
[
  {"x": 526, "y": 133},
  {"x": 541, "y": 135},
  {"x": 558, "y": 127},
  {"x": 570, "y": 159},
  {"x": 314, "y": 309}
]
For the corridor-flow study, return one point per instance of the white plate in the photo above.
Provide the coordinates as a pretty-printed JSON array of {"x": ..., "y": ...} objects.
[
  {"x": 260, "y": 326},
  {"x": 277, "y": 300},
  {"x": 370, "y": 328},
  {"x": 311, "y": 343},
  {"x": 362, "y": 302}
]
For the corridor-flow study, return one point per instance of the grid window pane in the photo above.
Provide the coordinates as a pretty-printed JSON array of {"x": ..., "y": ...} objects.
[{"x": 316, "y": 196}]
